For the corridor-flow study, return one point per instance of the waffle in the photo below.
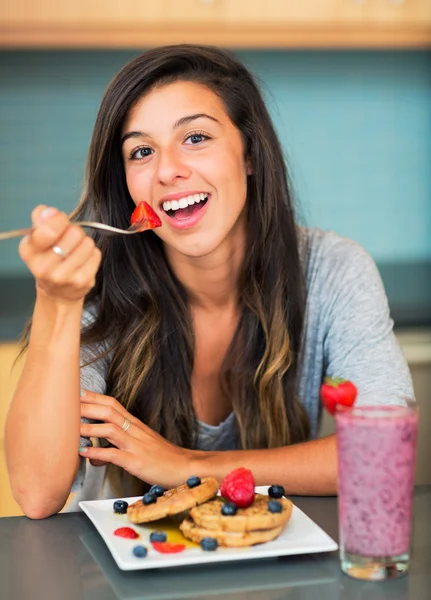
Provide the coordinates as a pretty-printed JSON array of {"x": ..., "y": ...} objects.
[
  {"x": 233, "y": 539},
  {"x": 173, "y": 501},
  {"x": 255, "y": 517}
]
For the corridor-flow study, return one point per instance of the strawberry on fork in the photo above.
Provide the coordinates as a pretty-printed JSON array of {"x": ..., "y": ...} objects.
[{"x": 145, "y": 217}]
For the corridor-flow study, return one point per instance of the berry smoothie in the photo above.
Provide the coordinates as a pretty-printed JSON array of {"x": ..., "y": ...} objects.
[{"x": 376, "y": 461}]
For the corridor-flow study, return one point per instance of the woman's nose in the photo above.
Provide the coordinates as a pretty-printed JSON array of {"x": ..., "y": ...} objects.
[{"x": 171, "y": 166}]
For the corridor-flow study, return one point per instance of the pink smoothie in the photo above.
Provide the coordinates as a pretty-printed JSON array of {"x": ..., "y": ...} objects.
[{"x": 376, "y": 462}]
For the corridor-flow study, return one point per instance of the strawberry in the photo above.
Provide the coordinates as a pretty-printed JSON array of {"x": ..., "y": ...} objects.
[
  {"x": 143, "y": 212},
  {"x": 337, "y": 391},
  {"x": 238, "y": 487},
  {"x": 168, "y": 547}
]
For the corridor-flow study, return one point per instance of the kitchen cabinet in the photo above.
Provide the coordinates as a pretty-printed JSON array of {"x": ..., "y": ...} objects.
[
  {"x": 8, "y": 380},
  {"x": 232, "y": 23}
]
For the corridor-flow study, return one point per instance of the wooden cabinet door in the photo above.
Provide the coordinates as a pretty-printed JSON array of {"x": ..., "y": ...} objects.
[
  {"x": 281, "y": 13},
  {"x": 210, "y": 13},
  {"x": 112, "y": 12},
  {"x": 398, "y": 13},
  {"x": 8, "y": 380},
  {"x": 79, "y": 12}
]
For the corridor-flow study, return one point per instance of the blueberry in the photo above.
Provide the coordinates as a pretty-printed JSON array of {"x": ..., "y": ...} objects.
[
  {"x": 193, "y": 481},
  {"x": 140, "y": 551},
  {"x": 275, "y": 507},
  {"x": 229, "y": 509},
  {"x": 276, "y": 491},
  {"x": 209, "y": 544},
  {"x": 158, "y": 536},
  {"x": 157, "y": 490},
  {"x": 149, "y": 498},
  {"x": 120, "y": 507}
]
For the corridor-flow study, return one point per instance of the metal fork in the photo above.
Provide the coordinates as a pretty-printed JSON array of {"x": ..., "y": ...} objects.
[{"x": 137, "y": 227}]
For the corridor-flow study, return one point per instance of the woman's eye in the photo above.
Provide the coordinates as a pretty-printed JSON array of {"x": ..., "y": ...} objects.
[
  {"x": 197, "y": 138},
  {"x": 140, "y": 153}
]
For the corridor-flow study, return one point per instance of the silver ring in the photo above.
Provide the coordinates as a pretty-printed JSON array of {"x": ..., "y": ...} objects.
[
  {"x": 125, "y": 425},
  {"x": 59, "y": 251}
]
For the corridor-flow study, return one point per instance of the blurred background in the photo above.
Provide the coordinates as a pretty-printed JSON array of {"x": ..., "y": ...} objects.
[{"x": 347, "y": 82}]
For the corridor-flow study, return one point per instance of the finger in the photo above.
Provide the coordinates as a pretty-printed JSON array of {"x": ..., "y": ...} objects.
[
  {"x": 108, "y": 455},
  {"x": 45, "y": 262},
  {"x": 98, "y": 463},
  {"x": 85, "y": 277},
  {"x": 113, "y": 433},
  {"x": 41, "y": 211},
  {"x": 78, "y": 253},
  {"x": 49, "y": 229},
  {"x": 71, "y": 239},
  {"x": 101, "y": 412},
  {"x": 89, "y": 397}
]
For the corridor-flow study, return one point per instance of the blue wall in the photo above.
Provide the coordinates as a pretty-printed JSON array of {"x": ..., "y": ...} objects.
[{"x": 356, "y": 128}]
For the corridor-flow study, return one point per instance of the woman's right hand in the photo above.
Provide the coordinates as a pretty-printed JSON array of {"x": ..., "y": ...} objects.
[{"x": 64, "y": 279}]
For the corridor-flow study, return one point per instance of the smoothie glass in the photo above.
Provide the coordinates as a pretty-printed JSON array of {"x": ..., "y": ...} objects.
[{"x": 376, "y": 447}]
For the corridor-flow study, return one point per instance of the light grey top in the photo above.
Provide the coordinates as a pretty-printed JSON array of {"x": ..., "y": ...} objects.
[{"x": 348, "y": 332}]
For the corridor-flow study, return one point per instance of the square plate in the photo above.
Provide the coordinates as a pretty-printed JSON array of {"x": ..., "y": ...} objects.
[{"x": 300, "y": 536}]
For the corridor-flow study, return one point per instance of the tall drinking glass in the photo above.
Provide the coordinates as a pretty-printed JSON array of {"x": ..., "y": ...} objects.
[{"x": 376, "y": 447}]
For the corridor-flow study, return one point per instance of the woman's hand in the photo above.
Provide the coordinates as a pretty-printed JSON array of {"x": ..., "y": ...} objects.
[
  {"x": 139, "y": 450},
  {"x": 62, "y": 258}
]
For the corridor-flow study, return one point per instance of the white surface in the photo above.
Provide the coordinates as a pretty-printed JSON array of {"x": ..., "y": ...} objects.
[{"x": 300, "y": 536}]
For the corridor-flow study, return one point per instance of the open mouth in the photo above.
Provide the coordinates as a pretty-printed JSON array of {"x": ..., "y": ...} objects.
[{"x": 185, "y": 207}]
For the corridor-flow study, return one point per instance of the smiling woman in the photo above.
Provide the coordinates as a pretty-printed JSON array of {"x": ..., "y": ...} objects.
[
  {"x": 182, "y": 152},
  {"x": 200, "y": 346}
]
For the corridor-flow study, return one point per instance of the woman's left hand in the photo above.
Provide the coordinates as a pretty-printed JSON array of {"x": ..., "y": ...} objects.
[{"x": 139, "y": 450}]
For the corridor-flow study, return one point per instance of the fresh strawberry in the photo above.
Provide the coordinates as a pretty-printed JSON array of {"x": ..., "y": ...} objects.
[
  {"x": 337, "y": 391},
  {"x": 238, "y": 487},
  {"x": 168, "y": 547},
  {"x": 143, "y": 212}
]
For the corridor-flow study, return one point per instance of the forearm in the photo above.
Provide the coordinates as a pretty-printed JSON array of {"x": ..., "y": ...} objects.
[
  {"x": 309, "y": 468},
  {"x": 42, "y": 428}
]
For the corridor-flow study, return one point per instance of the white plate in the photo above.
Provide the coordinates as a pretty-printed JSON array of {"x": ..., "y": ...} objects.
[{"x": 300, "y": 536}]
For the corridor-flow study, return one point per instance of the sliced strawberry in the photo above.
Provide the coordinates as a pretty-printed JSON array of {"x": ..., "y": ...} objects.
[
  {"x": 168, "y": 547},
  {"x": 238, "y": 487},
  {"x": 337, "y": 391},
  {"x": 143, "y": 212},
  {"x": 126, "y": 532}
]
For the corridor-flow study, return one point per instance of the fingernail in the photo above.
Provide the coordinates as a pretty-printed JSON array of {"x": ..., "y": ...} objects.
[
  {"x": 47, "y": 212},
  {"x": 82, "y": 393},
  {"x": 82, "y": 449}
]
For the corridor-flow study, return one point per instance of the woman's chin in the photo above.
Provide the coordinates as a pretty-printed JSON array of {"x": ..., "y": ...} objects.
[{"x": 199, "y": 249}]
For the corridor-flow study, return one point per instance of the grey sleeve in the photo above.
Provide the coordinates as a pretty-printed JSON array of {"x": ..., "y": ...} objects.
[
  {"x": 360, "y": 344},
  {"x": 93, "y": 378}
]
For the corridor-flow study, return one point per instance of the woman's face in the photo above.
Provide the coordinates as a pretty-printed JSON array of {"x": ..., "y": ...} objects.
[{"x": 184, "y": 156}]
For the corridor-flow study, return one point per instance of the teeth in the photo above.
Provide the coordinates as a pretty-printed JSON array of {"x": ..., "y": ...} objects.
[{"x": 184, "y": 202}]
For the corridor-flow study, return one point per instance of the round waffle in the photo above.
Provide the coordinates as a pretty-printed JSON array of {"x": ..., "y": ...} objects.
[
  {"x": 232, "y": 539},
  {"x": 256, "y": 516},
  {"x": 173, "y": 501}
]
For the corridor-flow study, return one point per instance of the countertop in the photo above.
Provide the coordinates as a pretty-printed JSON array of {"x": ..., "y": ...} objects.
[
  {"x": 64, "y": 557},
  {"x": 408, "y": 287}
]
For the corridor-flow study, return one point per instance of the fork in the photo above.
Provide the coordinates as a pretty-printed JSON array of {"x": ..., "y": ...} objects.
[{"x": 137, "y": 227}]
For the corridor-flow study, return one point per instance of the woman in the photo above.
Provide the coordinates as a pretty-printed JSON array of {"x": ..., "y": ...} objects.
[{"x": 212, "y": 334}]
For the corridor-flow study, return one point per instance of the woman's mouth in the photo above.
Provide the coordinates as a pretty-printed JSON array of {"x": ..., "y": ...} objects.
[{"x": 186, "y": 211}]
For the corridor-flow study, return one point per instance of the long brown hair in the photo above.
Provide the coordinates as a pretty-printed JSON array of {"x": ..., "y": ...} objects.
[{"x": 141, "y": 307}]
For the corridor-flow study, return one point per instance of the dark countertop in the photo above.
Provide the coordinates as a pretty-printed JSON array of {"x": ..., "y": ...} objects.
[
  {"x": 408, "y": 287},
  {"x": 64, "y": 557}
]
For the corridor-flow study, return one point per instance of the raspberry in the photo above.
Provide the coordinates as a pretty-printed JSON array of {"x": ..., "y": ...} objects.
[{"x": 238, "y": 487}]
